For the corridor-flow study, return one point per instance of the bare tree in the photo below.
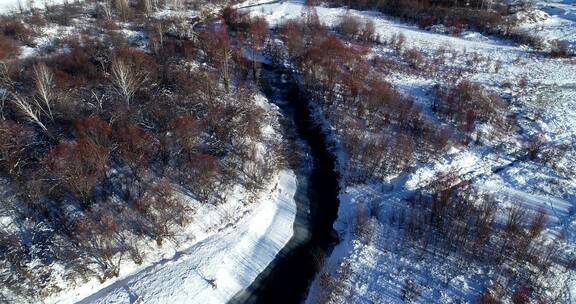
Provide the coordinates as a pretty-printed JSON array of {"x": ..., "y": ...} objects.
[
  {"x": 3, "y": 98},
  {"x": 177, "y": 4},
  {"x": 216, "y": 43},
  {"x": 107, "y": 9},
  {"x": 123, "y": 8},
  {"x": 28, "y": 110},
  {"x": 538, "y": 223},
  {"x": 80, "y": 166},
  {"x": 349, "y": 25},
  {"x": 126, "y": 79},
  {"x": 98, "y": 236},
  {"x": 44, "y": 81},
  {"x": 156, "y": 33},
  {"x": 5, "y": 72},
  {"x": 14, "y": 141},
  {"x": 163, "y": 209},
  {"x": 149, "y": 6},
  {"x": 369, "y": 31},
  {"x": 258, "y": 32}
]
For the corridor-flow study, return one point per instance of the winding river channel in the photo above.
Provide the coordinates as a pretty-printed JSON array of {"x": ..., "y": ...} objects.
[{"x": 288, "y": 277}]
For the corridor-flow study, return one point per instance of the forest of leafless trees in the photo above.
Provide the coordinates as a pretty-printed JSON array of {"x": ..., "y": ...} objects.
[
  {"x": 383, "y": 130},
  {"x": 99, "y": 143}
]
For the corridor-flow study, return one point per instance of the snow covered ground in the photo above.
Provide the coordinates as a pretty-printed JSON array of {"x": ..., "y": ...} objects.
[
  {"x": 9, "y": 6},
  {"x": 554, "y": 19},
  {"x": 214, "y": 267},
  {"x": 375, "y": 270}
]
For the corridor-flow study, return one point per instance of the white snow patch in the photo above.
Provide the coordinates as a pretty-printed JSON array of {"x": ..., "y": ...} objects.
[{"x": 10, "y": 6}]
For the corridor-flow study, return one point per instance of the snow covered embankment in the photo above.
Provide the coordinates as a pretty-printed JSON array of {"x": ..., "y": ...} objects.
[{"x": 215, "y": 269}]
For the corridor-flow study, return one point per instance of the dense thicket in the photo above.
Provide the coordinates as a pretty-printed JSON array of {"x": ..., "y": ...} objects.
[
  {"x": 483, "y": 14},
  {"x": 382, "y": 131},
  {"x": 102, "y": 141}
]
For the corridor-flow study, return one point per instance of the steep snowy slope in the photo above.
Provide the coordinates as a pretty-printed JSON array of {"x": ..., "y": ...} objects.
[{"x": 216, "y": 268}]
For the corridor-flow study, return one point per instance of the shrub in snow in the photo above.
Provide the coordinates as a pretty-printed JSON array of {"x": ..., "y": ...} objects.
[
  {"x": 14, "y": 28},
  {"x": 468, "y": 103},
  {"x": 415, "y": 58},
  {"x": 8, "y": 48},
  {"x": 350, "y": 26},
  {"x": 80, "y": 166},
  {"x": 560, "y": 49}
]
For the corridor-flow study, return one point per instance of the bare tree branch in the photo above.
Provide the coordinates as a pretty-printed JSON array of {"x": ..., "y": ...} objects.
[
  {"x": 44, "y": 80},
  {"x": 27, "y": 109},
  {"x": 126, "y": 79}
]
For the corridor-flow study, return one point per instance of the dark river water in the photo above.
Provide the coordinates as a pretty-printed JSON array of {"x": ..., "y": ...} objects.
[{"x": 288, "y": 277}]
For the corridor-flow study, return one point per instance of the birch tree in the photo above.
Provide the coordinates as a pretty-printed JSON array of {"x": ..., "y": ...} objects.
[
  {"x": 26, "y": 108},
  {"x": 126, "y": 79},
  {"x": 44, "y": 81}
]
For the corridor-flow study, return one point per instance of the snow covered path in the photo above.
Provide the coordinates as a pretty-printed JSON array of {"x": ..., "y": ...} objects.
[
  {"x": 558, "y": 209},
  {"x": 230, "y": 259}
]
